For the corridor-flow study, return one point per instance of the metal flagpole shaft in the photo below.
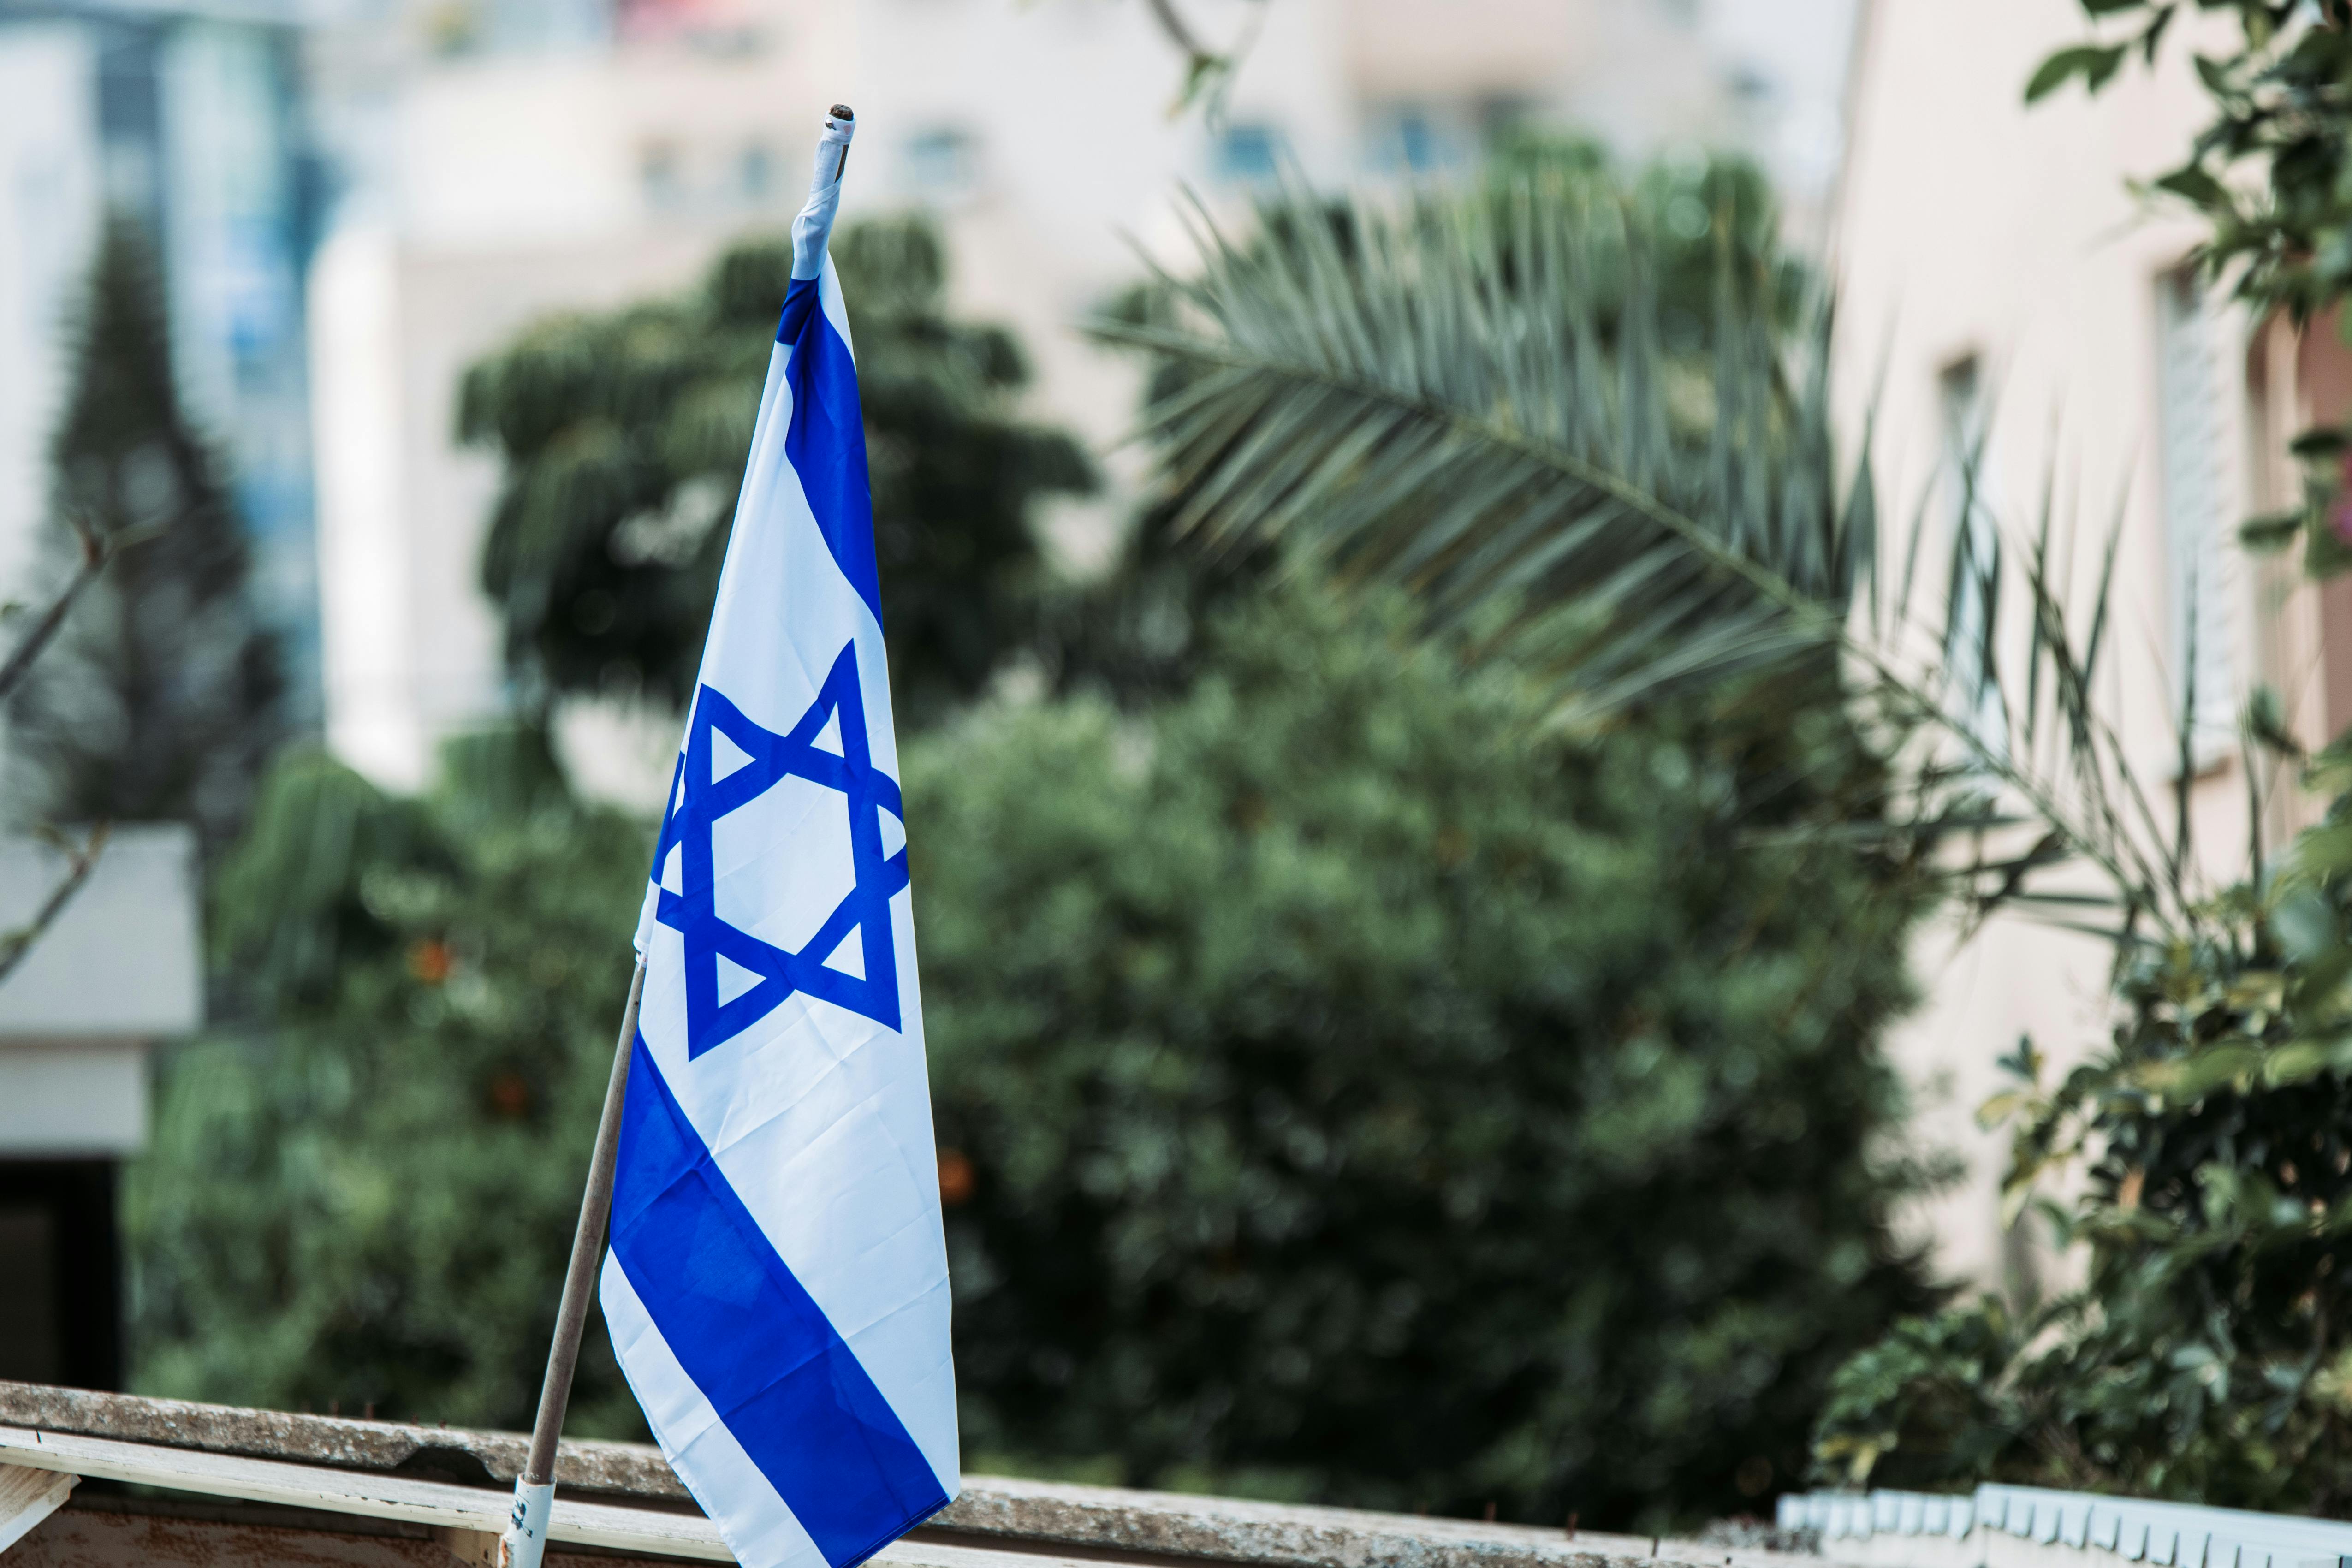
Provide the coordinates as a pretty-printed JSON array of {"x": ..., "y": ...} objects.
[{"x": 526, "y": 1537}]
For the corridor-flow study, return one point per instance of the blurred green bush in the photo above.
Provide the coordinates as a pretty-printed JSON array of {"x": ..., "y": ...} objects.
[
  {"x": 365, "y": 1202},
  {"x": 2206, "y": 1357},
  {"x": 1345, "y": 1095}
]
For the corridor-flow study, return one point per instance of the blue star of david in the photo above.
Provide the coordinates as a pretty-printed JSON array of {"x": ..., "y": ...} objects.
[{"x": 697, "y": 801}]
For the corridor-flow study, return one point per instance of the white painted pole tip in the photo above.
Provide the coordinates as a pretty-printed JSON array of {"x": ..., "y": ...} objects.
[{"x": 524, "y": 1544}]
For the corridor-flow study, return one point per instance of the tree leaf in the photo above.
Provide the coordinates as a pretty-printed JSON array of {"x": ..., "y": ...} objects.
[
  {"x": 2320, "y": 441},
  {"x": 2095, "y": 63},
  {"x": 2271, "y": 533},
  {"x": 2192, "y": 183}
]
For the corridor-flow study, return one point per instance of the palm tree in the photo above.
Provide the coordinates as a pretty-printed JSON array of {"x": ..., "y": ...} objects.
[{"x": 1515, "y": 406}]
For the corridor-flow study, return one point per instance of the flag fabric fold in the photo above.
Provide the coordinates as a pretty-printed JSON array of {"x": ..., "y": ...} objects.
[{"x": 777, "y": 1284}]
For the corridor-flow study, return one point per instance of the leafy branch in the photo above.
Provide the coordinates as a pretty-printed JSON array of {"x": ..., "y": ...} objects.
[
  {"x": 1206, "y": 70},
  {"x": 80, "y": 860},
  {"x": 2281, "y": 101},
  {"x": 2269, "y": 176},
  {"x": 95, "y": 553}
]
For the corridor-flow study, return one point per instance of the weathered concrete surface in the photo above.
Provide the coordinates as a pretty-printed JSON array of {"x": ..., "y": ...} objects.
[
  {"x": 438, "y": 1453},
  {"x": 993, "y": 1510},
  {"x": 1229, "y": 1530}
]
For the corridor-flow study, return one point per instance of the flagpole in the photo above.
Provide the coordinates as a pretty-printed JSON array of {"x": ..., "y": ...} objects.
[{"x": 525, "y": 1541}]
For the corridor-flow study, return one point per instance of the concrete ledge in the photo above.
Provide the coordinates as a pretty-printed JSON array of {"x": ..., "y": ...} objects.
[
  {"x": 632, "y": 1470},
  {"x": 1037, "y": 1517},
  {"x": 1172, "y": 1525}
]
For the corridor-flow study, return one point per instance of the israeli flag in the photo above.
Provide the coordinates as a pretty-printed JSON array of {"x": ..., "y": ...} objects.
[{"x": 777, "y": 1284}]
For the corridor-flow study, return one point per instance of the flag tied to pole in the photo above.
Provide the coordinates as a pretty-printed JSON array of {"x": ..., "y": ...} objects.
[{"x": 777, "y": 1286}]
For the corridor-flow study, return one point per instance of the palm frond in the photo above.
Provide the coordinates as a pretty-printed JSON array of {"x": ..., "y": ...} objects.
[
  {"x": 1487, "y": 403},
  {"x": 1477, "y": 401}
]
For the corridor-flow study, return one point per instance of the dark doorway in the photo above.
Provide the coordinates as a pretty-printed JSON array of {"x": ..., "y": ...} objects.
[{"x": 60, "y": 1273}]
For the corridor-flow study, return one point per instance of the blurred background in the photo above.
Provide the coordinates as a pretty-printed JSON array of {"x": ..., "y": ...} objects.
[{"x": 1435, "y": 1000}]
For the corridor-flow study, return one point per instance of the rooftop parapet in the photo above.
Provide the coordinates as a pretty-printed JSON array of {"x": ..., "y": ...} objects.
[{"x": 406, "y": 1487}]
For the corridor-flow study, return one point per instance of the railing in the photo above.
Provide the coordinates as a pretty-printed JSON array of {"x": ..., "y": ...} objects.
[{"x": 2162, "y": 1535}]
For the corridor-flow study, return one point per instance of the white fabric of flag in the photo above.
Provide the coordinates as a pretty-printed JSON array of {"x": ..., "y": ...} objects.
[{"x": 777, "y": 1283}]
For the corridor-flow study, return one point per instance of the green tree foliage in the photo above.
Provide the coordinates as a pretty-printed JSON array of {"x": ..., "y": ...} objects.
[
  {"x": 1556, "y": 300},
  {"x": 1347, "y": 1094},
  {"x": 2206, "y": 1358},
  {"x": 2281, "y": 101},
  {"x": 624, "y": 437},
  {"x": 368, "y": 1202},
  {"x": 1343, "y": 1091},
  {"x": 2270, "y": 177},
  {"x": 1477, "y": 399},
  {"x": 2209, "y": 1357},
  {"x": 159, "y": 699},
  {"x": 1515, "y": 407},
  {"x": 1697, "y": 214},
  {"x": 1356, "y": 1083}
]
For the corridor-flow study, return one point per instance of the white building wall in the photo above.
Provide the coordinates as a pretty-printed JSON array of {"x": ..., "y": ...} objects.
[
  {"x": 367, "y": 595},
  {"x": 122, "y": 967}
]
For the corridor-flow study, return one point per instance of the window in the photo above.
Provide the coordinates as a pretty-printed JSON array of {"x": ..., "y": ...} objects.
[
  {"x": 1749, "y": 85},
  {"x": 1412, "y": 138},
  {"x": 1418, "y": 142},
  {"x": 755, "y": 173},
  {"x": 1973, "y": 603},
  {"x": 942, "y": 164},
  {"x": 2192, "y": 438},
  {"x": 661, "y": 176},
  {"x": 1249, "y": 152},
  {"x": 1503, "y": 117}
]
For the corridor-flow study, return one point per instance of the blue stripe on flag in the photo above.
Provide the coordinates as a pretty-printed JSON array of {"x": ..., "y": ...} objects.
[
  {"x": 825, "y": 442},
  {"x": 744, "y": 1330}
]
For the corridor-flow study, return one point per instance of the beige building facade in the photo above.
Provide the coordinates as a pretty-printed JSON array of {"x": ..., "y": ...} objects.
[{"x": 2002, "y": 288}]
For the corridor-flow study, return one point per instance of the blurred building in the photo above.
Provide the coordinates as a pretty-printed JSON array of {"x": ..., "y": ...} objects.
[
  {"x": 506, "y": 159},
  {"x": 2000, "y": 286},
  {"x": 189, "y": 117},
  {"x": 120, "y": 970}
]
